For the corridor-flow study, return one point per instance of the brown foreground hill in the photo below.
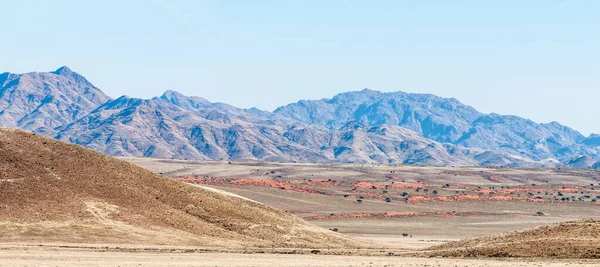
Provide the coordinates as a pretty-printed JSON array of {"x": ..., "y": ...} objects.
[
  {"x": 51, "y": 191},
  {"x": 574, "y": 239}
]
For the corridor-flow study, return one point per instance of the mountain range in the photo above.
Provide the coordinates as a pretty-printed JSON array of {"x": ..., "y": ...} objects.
[{"x": 354, "y": 127}]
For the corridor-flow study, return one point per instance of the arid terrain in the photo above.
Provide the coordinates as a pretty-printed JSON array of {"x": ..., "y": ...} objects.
[
  {"x": 573, "y": 239},
  {"x": 60, "y": 256},
  {"x": 402, "y": 206},
  {"x": 57, "y": 192},
  {"x": 65, "y": 205}
]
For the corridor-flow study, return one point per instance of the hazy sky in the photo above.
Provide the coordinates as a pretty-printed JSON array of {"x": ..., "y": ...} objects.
[{"x": 535, "y": 59}]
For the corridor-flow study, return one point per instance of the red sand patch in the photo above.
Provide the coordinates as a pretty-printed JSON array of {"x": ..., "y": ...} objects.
[
  {"x": 269, "y": 183},
  {"x": 368, "y": 185},
  {"x": 404, "y": 214},
  {"x": 417, "y": 199},
  {"x": 407, "y": 186},
  {"x": 340, "y": 216},
  {"x": 503, "y": 198},
  {"x": 323, "y": 183},
  {"x": 486, "y": 191},
  {"x": 394, "y": 215},
  {"x": 538, "y": 194}
]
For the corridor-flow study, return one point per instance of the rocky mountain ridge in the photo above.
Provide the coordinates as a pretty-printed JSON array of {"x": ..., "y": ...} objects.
[
  {"x": 359, "y": 127},
  {"x": 44, "y": 102}
]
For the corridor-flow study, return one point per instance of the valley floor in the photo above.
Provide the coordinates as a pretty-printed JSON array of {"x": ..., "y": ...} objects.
[
  {"x": 394, "y": 210},
  {"x": 45, "y": 256},
  {"x": 380, "y": 203}
]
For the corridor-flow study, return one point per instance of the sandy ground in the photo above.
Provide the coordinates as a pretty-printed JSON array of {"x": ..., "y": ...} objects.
[
  {"x": 479, "y": 218},
  {"x": 81, "y": 257}
]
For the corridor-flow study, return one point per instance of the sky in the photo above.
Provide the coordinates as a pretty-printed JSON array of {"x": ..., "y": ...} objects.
[{"x": 535, "y": 59}]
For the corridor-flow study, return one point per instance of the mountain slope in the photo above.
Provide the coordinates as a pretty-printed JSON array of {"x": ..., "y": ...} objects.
[
  {"x": 57, "y": 192},
  {"x": 446, "y": 120},
  {"x": 518, "y": 136},
  {"x": 440, "y": 119},
  {"x": 44, "y": 102},
  {"x": 363, "y": 126},
  {"x": 158, "y": 128}
]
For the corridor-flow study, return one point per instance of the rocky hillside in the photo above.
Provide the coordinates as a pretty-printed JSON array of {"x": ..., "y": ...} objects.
[
  {"x": 53, "y": 192},
  {"x": 363, "y": 126}
]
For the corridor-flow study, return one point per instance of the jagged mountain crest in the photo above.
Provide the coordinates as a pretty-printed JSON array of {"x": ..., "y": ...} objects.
[
  {"x": 441, "y": 119},
  {"x": 45, "y": 102},
  {"x": 178, "y": 99},
  {"x": 359, "y": 126}
]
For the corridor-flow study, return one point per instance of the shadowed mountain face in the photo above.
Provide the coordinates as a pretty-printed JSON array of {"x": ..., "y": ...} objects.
[
  {"x": 448, "y": 121},
  {"x": 437, "y": 118},
  {"x": 44, "y": 102},
  {"x": 363, "y": 126},
  {"x": 157, "y": 128}
]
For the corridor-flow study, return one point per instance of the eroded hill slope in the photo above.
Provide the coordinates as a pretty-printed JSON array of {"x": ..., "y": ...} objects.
[{"x": 57, "y": 192}]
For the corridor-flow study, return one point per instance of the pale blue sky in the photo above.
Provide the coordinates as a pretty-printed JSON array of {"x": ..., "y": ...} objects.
[{"x": 535, "y": 59}]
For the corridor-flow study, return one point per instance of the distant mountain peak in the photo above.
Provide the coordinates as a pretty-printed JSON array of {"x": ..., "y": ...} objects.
[
  {"x": 183, "y": 101},
  {"x": 46, "y": 101},
  {"x": 67, "y": 72},
  {"x": 170, "y": 93},
  {"x": 64, "y": 70}
]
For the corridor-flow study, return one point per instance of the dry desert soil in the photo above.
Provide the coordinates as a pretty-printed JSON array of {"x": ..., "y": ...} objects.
[
  {"x": 47, "y": 256},
  {"x": 65, "y": 205},
  {"x": 380, "y": 203}
]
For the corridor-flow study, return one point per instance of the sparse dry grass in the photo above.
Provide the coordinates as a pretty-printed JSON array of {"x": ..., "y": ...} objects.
[
  {"x": 54, "y": 191},
  {"x": 573, "y": 239}
]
